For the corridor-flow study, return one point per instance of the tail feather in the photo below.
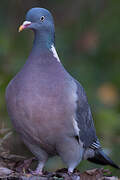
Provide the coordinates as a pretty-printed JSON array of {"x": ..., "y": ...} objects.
[{"x": 101, "y": 158}]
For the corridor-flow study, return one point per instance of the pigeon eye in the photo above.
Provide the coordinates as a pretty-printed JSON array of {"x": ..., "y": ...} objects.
[{"x": 42, "y": 18}]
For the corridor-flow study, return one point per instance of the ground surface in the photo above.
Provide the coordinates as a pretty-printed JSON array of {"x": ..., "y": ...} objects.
[{"x": 17, "y": 168}]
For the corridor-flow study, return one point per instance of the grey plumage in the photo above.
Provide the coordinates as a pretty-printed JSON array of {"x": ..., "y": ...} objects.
[
  {"x": 47, "y": 106},
  {"x": 84, "y": 118}
]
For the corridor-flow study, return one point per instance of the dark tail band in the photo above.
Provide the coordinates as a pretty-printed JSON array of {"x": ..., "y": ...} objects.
[{"x": 101, "y": 158}]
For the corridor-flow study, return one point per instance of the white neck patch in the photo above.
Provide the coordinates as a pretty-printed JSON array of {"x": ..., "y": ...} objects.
[{"x": 54, "y": 53}]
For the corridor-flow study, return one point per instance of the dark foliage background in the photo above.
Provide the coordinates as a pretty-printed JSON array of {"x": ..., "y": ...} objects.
[{"x": 88, "y": 44}]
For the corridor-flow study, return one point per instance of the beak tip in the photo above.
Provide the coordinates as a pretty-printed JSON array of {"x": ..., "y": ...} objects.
[{"x": 20, "y": 28}]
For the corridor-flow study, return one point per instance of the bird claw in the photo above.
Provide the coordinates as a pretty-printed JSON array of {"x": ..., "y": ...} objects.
[
  {"x": 36, "y": 172},
  {"x": 70, "y": 173}
]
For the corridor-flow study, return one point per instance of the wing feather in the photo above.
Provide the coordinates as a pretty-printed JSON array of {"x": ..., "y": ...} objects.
[{"x": 84, "y": 118}]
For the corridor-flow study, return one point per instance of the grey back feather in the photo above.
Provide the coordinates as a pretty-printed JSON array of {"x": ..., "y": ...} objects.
[{"x": 84, "y": 118}]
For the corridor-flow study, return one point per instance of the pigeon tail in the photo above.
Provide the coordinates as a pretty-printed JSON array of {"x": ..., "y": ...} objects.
[{"x": 101, "y": 158}]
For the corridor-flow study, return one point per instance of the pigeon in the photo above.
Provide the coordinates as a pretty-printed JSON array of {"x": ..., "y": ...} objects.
[{"x": 48, "y": 107}]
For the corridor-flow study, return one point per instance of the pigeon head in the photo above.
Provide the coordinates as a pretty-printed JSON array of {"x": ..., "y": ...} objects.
[{"x": 41, "y": 22}]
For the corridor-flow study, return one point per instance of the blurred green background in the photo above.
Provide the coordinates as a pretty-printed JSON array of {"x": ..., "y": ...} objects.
[{"x": 88, "y": 44}]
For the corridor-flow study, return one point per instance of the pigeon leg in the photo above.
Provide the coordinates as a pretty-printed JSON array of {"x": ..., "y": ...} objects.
[
  {"x": 41, "y": 156},
  {"x": 39, "y": 169},
  {"x": 71, "y": 152}
]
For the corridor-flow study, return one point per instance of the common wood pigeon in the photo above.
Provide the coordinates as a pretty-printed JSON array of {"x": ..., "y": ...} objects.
[{"x": 47, "y": 106}]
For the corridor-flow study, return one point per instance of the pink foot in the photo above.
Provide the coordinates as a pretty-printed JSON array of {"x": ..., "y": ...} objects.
[
  {"x": 36, "y": 173},
  {"x": 39, "y": 170}
]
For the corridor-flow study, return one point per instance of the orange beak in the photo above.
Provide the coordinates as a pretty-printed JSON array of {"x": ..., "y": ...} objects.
[{"x": 24, "y": 25}]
